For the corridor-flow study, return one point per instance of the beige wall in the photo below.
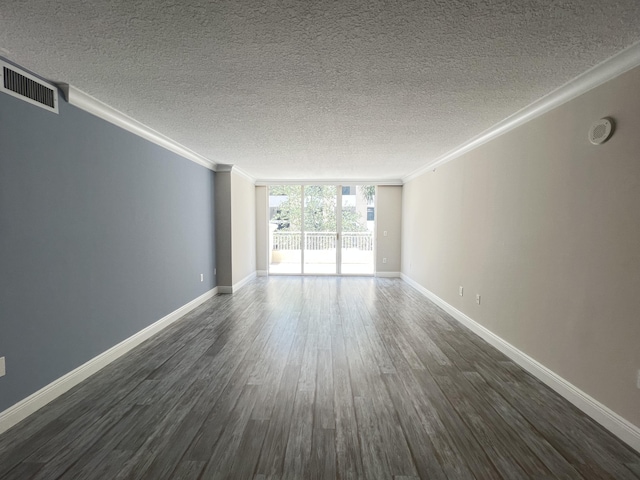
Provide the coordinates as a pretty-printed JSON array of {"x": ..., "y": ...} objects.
[
  {"x": 223, "y": 228},
  {"x": 389, "y": 219},
  {"x": 262, "y": 230},
  {"x": 243, "y": 227},
  {"x": 235, "y": 228},
  {"x": 546, "y": 227}
]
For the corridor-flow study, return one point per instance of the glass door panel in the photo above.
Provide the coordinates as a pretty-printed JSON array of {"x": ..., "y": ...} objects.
[
  {"x": 285, "y": 229},
  {"x": 320, "y": 229},
  {"x": 358, "y": 213}
]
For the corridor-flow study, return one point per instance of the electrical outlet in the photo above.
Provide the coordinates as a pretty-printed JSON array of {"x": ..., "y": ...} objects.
[
  {"x": 214, "y": 270},
  {"x": 478, "y": 299},
  {"x": 202, "y": 277},
  {"x": 637, "y": 379},
  {"x": 460, "y": 291},
  {"x": 3, "y": 370},
  {"x": 385, "y": 233},
  {"x": 384, "y": 260}
]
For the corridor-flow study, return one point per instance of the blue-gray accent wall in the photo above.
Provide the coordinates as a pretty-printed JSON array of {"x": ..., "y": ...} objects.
[{"x": 102, "y": 233}]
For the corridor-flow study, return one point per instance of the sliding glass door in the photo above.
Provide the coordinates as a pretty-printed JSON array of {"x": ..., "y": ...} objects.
[
  {"x": 285, "y": 229},
  {"x": 321, "y": 229},
  {"x": 358, "y": 216}
]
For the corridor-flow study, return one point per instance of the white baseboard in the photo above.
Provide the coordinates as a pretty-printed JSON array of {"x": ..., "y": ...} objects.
[
  {"x": 39, "y": 399},
  {"x": 237, "y": 286},
  {"x": 388, "y": 274},
  {"x": 262, "y": 273},
  {"x": 243, "y": 282},
  {"x": 620, "y": 427}
]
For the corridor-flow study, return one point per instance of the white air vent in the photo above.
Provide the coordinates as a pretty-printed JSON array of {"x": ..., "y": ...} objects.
[{"x": 25, "y": 86}]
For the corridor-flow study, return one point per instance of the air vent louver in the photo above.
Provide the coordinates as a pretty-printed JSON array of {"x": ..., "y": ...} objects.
[{"x": 28, "y": 88}]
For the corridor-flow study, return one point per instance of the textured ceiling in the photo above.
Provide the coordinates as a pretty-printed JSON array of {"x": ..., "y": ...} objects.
[{"x": 324, "y": 89}]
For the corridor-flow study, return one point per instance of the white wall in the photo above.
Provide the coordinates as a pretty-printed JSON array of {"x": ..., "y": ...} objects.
[
  {"x": 243, "y": 227},
  {"x": 388, "y": 218},
  {"x": 546, "y": 227},
  {"x": 262, "y": 230},
  {"x": 223, "y": 228},
  {"x": 235, "y": 229}
]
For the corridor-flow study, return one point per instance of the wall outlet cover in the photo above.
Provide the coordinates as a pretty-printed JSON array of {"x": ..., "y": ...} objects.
[
  {"x": 3, "y": 370},
  {"x": 460, "y": 291}
]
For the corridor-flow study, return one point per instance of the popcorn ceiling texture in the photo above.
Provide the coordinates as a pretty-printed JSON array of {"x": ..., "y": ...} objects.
[{"x": 324, "y": 89}]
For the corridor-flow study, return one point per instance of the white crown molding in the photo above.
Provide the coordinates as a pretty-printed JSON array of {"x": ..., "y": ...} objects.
[
  {"x": 603, "y": 72},
  {"x": 620, "y": 427},
  {"x": 86, "y": 102},
  {"x": 224, "y": 168},
  {"x": 244, "y": 175},
  {"x": 229, "y": 168},
  {"x": 306, "y": 181},
  {"x": 39, "y": 399}
]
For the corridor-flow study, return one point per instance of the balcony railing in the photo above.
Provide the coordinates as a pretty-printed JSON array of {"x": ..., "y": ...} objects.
[
  {"x": 359, "y": 240},
  {"x": 322, "y": 240}
]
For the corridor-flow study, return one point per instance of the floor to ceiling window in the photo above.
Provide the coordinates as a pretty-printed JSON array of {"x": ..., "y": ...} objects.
[
  {"x": 358, "y": 217},
  {"x": 321, "y": 229},
  {"x": 285, "y": 229}
]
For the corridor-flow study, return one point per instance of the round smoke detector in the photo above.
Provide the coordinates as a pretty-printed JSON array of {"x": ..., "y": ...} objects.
[{"x": 601, "y": 131}]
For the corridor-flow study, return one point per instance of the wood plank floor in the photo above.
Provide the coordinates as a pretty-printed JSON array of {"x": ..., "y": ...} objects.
[{"x": 296, "y": 378}]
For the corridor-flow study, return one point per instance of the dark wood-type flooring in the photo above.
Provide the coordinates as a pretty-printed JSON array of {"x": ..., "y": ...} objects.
[{"x": 319, "y": 377}]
